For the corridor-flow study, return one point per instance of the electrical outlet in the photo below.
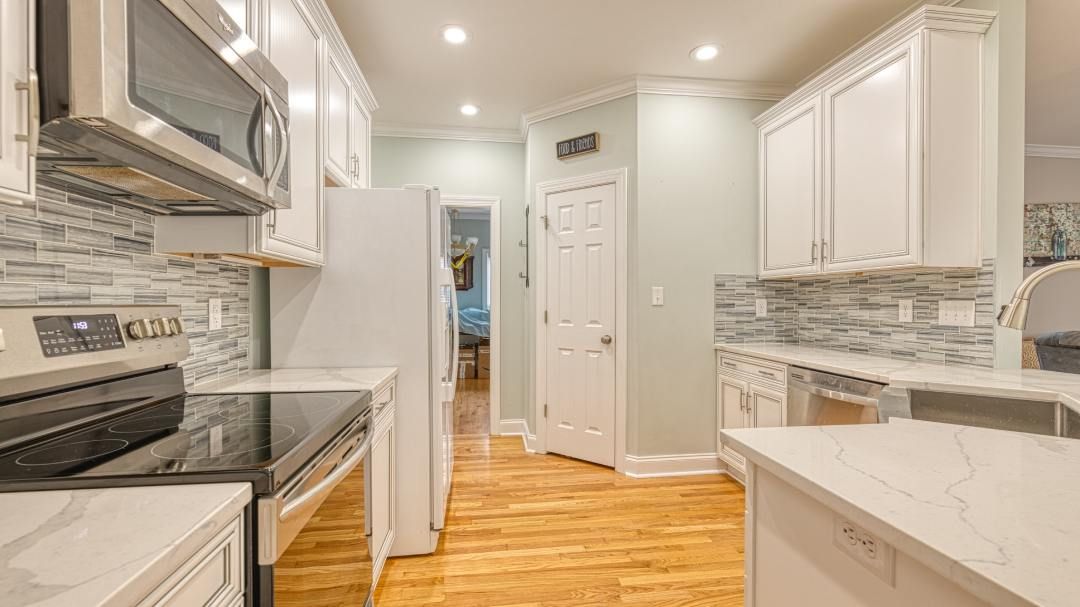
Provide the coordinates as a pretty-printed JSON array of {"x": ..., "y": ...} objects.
[
  {"x": 761, "y": 307},
  {"x": 870, "y": 552},
  {"x": 215, "y": 314},
  {"x": 658, "y": 296},
  {"x": 907, "y": 310},
  {"x": 956, "y": 313}
]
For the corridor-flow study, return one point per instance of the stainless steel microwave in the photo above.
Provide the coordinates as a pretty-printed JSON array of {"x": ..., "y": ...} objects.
[{"x": 165, "y": 105}]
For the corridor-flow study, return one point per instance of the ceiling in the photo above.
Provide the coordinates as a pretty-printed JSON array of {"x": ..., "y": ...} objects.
[
  {"x": 1053, "y": 73},
  {"x": 525, "y": 53}
]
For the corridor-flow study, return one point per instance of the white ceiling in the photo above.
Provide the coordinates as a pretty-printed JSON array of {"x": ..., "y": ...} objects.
[
  {"x": 1053, "y": 73},
  {"x": 525, "y": 53}
]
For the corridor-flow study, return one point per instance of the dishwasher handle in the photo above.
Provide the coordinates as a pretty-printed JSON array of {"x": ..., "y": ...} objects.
[{"x": 854, "y": 399}]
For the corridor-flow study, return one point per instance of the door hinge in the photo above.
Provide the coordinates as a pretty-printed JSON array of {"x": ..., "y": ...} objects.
[
  {"x": 545, "y": 410},
  {"x": 545, "y": 317},
  {"x": 544, "y": 218}
]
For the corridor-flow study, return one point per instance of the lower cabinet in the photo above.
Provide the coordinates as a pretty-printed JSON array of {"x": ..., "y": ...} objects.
[
  {"x": 750, "y": 394},
  {"x": 214, "y": 576},
  {"x": 383, "y": 479}
]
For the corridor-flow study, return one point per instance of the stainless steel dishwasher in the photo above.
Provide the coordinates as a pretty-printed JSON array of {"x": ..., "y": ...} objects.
[{"x": 816, "y": 398}]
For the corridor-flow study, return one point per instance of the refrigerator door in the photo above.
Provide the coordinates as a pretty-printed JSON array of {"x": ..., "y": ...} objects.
[{"x": 442, "y": 414}]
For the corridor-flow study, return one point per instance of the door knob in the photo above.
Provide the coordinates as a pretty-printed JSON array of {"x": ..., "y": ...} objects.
[{"x": 605, "y": 340}]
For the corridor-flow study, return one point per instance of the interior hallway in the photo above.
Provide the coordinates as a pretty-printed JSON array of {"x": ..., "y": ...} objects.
[
  {"x": 581, "y": 535},
  {"x": 472, "y": 404}
]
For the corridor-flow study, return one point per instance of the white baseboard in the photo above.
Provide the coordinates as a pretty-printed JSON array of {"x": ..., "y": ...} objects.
[
  {"x": 530, "y": 442},
  {"x": 688, "y": 464},
  {"x": 512, "y": 427}
]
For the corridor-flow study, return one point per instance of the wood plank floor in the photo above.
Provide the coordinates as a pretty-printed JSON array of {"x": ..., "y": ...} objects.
[
  {"x": 472, "y": 406},
  {"x": 530, "y": 530}
]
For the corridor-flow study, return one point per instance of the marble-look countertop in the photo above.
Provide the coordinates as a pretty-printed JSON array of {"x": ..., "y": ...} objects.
[
  {"x": 1029, "y": 384},
  {"x": 993, "y": 511},
  {"x": 302, "y": 380},
  {"x": 111, "y": 546}
]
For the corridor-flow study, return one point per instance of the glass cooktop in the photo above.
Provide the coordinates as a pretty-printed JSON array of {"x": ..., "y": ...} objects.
[{"x": 260, "y": 438}]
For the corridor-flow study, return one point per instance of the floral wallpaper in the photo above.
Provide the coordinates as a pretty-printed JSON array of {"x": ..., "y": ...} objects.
[{"x": 1040, "y": 221}]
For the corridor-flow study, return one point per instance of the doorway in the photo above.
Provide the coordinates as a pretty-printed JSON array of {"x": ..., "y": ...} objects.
[
  {"x": 474, "y": 230},
  {"x": 581, "y": 318}
]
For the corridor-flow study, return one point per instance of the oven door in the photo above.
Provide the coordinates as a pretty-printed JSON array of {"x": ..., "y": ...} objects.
[
  {"x": 180, "y": 79},
  {"x": 314, "y": 535}
]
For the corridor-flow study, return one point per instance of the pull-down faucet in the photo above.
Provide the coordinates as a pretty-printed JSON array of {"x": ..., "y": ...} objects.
[{"x": 1015, "y": 313}]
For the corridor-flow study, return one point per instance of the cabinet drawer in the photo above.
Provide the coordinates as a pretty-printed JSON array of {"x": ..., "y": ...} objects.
[
  {"x": 214, "y": 576},
  {"x": 760, "y": 370}
]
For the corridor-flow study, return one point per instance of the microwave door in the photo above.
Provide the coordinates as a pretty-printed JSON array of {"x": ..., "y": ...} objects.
[{"x": 155, "y": 74}]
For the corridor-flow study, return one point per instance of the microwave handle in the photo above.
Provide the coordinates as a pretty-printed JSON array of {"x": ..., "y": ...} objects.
[{"x": 283, "y": 151}]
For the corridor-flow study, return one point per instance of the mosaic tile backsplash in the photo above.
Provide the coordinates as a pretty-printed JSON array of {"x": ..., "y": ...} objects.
[
  {"x": 860, "y": 313},
  {"x": 68, "y": 249},
  {"x": 1040, "y": 222}
]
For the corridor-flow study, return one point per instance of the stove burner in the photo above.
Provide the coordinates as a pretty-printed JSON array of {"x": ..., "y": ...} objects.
[
  {"x": 157, "y": 423},
  {"x": 69, "y": 453},
  {"x": 210, "y": 442}
]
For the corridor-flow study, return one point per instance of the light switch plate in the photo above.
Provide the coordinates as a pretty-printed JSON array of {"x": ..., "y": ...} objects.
[
  {"x": 956, "y": 313},
  {"x": 215, "y": 313},
  {"x": 3, "y": 344},
  {"x": 658, "y": 296},
  {"x": 907, "y": 310},
  {"x": 761, "y": 308}
]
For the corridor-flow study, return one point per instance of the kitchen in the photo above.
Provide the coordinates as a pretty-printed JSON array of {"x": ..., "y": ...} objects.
[{"x": 219, "y": 385}]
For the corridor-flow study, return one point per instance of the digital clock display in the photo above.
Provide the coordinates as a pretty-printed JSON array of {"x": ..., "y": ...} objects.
[{"x": 67, "y": 335}]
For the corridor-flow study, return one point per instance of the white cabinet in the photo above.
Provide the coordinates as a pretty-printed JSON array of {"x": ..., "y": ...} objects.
[
  {"x": 750, "y": 394},
  {"x": 18, "y": 101},
  {"x": 339, "y": 160},
  {"x": 360, "y": 127},
  {"x": 383, "y": 479},
  {"x": 213, "y": 576},
  {"x": 876, "y": 162}
]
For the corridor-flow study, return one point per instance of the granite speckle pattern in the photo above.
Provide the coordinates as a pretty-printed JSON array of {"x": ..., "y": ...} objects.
[
  {"x": 993, "y": 511},
  {"x": 1040, "y": 221},
  {"x": 859, "y": 313},
  {"x": 67, "y": 249}
]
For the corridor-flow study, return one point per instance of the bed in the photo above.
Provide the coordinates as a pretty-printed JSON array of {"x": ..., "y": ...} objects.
[{"x": 474, "y": 321}]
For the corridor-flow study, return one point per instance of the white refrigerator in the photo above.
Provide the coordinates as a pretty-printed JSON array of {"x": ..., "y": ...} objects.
[{"x": 385, "y": 298}]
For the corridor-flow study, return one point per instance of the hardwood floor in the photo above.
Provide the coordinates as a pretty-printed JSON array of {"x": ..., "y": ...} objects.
[
  {"x": 471, "y": 407},
  {"x": 529, "y": 530}
]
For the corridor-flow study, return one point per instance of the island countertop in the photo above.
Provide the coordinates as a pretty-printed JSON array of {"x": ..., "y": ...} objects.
[
  {"x": 104, "y": 547},
  {"x": 340, "y": 379},
  {"x": 993, "y": 511}
]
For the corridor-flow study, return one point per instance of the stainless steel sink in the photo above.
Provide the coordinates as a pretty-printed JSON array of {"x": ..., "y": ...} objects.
[{"x": 1038, "y": 417}]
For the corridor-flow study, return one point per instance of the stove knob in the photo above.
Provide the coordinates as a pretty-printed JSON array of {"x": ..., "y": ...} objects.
[
  {"x": 140, "y": 329},
  {"x": 161, "y": 327},
  {"x": 177, "y": 325}
]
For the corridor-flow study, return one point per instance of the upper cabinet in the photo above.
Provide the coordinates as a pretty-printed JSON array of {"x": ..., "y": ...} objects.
[
  {"x": 876, "y": 162},
  {"x": 18, "y": 101},
  {"x": 330, "y": 106}
]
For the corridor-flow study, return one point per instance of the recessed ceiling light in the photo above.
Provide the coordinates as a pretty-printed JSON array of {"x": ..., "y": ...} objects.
[
  {"x": 705, "y": 52},
  {"x": 454, "y": 34},
  {"x": 469, "y": 109}
]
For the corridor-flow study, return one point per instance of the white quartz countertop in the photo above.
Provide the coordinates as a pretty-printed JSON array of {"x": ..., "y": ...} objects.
[
  {"x": 302, "y": 380},
  {"x": 112, "y": 546},
  {"x": 1030, "y": 384},
  {"x": 994, "y": 511}
]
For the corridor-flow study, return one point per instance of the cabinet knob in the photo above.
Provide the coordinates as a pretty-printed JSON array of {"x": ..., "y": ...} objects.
[{"x": 605, "y": 340}]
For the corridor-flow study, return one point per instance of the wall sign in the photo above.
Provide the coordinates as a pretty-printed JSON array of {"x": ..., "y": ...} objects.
[{"x": 578, "y": 145}]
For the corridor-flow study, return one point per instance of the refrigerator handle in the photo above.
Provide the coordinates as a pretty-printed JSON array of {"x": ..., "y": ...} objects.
[{"x": 457, "y": 336}]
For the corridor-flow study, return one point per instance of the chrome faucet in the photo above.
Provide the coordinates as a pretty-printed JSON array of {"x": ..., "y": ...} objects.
[{"x": 1015, "y": 313}]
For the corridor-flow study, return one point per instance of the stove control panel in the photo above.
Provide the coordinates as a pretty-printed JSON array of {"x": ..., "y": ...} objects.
[{"x": 78, "y": 334}]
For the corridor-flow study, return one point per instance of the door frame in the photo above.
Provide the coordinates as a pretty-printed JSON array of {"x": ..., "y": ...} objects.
[
  {"x": 620, "y": 179},
  {"x": 493, "y": 204}
]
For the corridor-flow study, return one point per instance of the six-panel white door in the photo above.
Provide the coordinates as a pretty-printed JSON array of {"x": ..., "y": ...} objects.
[
  {"x": 580, "y": 279},
  {"x": 16, "y": 92},
  {"x": 872, "y": 197},
  {"x": 791, "y": 193}
]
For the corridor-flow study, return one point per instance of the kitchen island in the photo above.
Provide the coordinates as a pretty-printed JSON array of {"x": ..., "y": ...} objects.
[{"x": 910, "y": 513}]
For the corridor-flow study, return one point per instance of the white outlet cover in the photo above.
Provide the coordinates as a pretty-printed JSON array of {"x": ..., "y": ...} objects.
[
  {"x": 215, "y": 313},
  {"x": 907, "y": 310},
  {"x": 761, "y": 308},
  {"x": 658, "y": 296},
  {"x": 956, "y": 313},
  {"x": 879, "y": 558}
]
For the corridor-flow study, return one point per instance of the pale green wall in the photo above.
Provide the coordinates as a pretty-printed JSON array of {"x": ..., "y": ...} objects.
[
  {"x": 696, "y": 217},
  {"x": 616, "y": 121},
  {"x": 1003, "y": 161},
  {"x": 478, "y": 169}
]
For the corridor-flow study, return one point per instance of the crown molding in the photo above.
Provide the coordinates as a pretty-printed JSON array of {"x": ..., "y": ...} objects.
[
  {"x": 654, "y": 85},
  {"x": 415, "y": 131},
  {"x": 1052, "y": 151}
]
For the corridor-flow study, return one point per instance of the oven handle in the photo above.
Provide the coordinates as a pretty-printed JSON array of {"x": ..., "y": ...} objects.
[
  {"x": 844, "y": 396},
  {"x": 326, "y": 485}
]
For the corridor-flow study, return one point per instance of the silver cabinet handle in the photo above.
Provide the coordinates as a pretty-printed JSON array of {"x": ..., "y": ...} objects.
[
  {"x": 742, "y": 402},
  {"x": 813, "y": 252},
  {"x": 605, "y": 340},
  {"x": 766, "y": 373},
  {"x": 33, "y": 111},
  {"x": 731, "y": 365},
  {"x": 824, "y": 250}
]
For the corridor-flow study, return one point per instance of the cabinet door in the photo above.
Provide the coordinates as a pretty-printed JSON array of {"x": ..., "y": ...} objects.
[
  {"x": 766, "y": 408},
  {"x": 18, "y": 82},
  {"x": 361, "y": 144},
  {"x": 872, "y": 167},
  {"x": 731, "y": 413},
  {"x": 339, "y": 162},
  {"x": 790, "y": 196},
  {"x": 383, "y": 474},
  {"x": 294, "y": 44}
]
